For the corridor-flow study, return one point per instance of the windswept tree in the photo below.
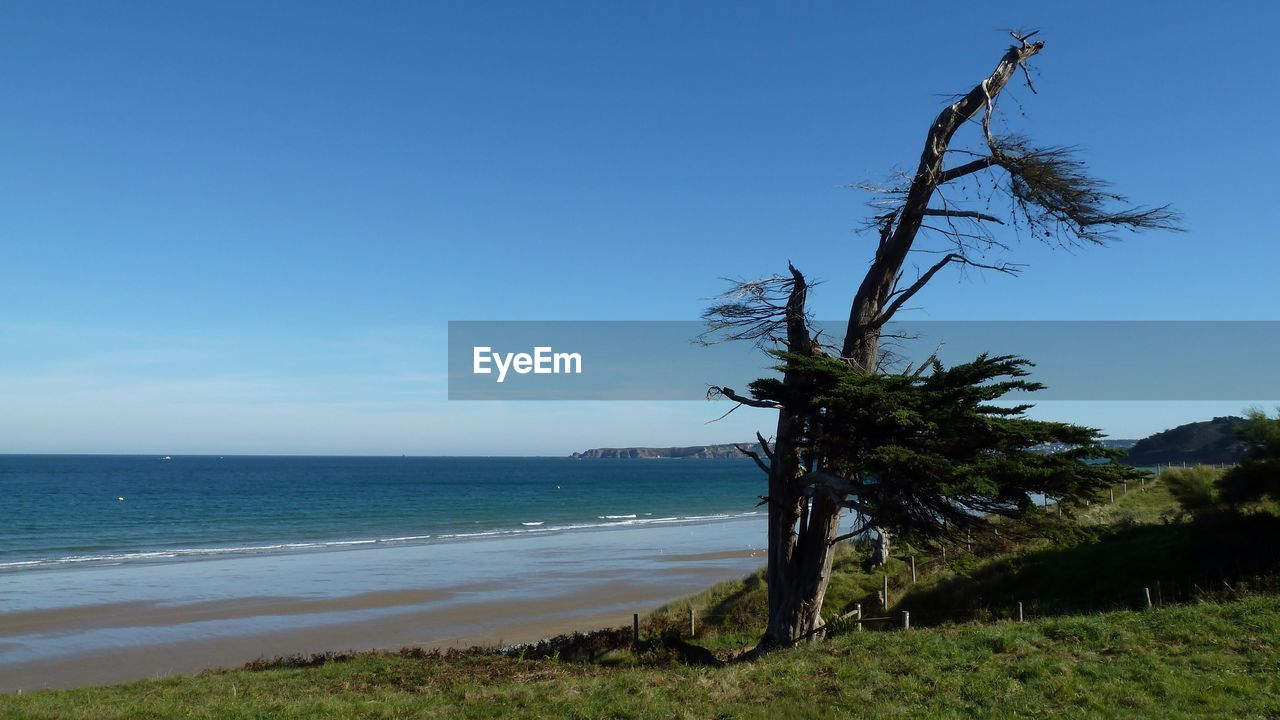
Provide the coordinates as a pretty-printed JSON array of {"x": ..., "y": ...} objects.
[{"x": 943, "y": 209}]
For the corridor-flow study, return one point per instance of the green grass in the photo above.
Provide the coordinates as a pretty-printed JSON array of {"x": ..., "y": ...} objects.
[
  {"x": 1086, "y": 651},
  {"x": 1140, "y": 503},
  {"x": 1198, "y": 660}
]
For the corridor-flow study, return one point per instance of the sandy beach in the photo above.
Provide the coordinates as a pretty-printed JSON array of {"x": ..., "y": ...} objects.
[{"x": 579, "y": 585}]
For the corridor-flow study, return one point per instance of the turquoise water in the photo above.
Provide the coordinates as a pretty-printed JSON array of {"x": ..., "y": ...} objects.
[{"x": 61, "y": 511}]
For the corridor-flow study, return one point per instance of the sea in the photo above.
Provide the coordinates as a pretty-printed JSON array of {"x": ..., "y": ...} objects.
[
  {"x": 94, "y": 510},
  {"x": 115, "y": 568}
]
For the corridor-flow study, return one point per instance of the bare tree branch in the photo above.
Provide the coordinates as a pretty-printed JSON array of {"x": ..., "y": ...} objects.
[
  {"x": 968, "y": 168},
  {"x": 851, "y": 534},
  {"x": 904, "y": 295},
  {"x": 755, "y": 456},
  {"x": 764, "y": 445},
  {"x": 754, "y": 310},
  {"x": 970, "y": 214},
  {"x": 713, "y": 392}
]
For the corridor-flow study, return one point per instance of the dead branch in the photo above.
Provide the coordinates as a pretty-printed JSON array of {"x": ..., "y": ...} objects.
[
  {"x": 764, "y": 445},
  {"x": 714, "y": 392},
  {"x": 904, "y": 295},
  {"x": 755, "y": 456},
  {"x": 971, "y": 214},
  {"x": 968, "y": 168}
]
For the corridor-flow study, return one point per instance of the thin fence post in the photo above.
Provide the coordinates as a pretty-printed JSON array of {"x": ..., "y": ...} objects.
[
  {"x": 913, "y": 569},
  {"x": 693, "y": 622},
  {"x": 906, "y": 620},
  {"x": 1146, "y": 596},
  {"x": 635, "y": 630},
  {"x": 1019, "y": 611},
  {"x": 857, "y": 612},
  {"x": 886, "y": 591},
  {"x": 1159, "y": 595},
  {"x": 944, "y": 553},
  {"x": 1113, "y": 494},
  {"x": 1126, "y": 487}
]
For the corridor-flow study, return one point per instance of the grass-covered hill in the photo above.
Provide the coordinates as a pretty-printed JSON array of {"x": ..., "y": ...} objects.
[
  {"x": 1089, "y": 648},
  {"x": 1212, "y": 442}
]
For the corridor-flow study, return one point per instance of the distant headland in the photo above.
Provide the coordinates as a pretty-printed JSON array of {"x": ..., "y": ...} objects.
[
  {"x": 1211, "y": 441},
  {"x": 692, "y": 452}
]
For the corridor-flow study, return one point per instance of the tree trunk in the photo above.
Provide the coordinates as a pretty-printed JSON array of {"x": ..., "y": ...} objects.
[
  {"x": 786, "y": 499},
  {"x": 880, "y": 555}
]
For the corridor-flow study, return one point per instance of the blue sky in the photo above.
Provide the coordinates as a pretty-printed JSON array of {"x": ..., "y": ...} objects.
[{"x": 243, "y": 227}]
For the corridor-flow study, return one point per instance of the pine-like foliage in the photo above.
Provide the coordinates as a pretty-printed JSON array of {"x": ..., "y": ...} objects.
[
  {"x": 1258, "y": 474},
  {"x": 929, "y": 455}
]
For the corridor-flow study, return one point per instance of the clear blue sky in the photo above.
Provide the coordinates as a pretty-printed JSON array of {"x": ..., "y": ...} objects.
[{"x": 242, "y": 227}]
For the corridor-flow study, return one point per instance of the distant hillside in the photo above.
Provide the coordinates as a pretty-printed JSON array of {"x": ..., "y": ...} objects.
[
  {"x": 720, "y": 452},
  {"x": 693, "y": 452},
  {"x": 1212, "y": 441}
]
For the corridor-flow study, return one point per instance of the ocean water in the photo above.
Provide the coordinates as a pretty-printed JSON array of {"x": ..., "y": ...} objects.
[
  {"x": 182, "y": 563},
  {"x": 83, "y": 511}
]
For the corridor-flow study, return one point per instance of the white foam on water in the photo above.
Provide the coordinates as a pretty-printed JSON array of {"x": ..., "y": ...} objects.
[{"x": 539, "y": 526}]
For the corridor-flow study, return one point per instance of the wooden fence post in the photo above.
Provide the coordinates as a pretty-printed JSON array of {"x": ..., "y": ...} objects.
[
  {"x": 886, "y": 591},
  {"x": 906, "y": 620},
  {"x": 1113, "y": 494},
  {"x": 635, "y": 631},
  {"x": 857, "y": 612},
  {"x": 693, "y": 622},
  {"x": 1019, "y": 611},
  {"x": 913, "y": 569},
  {"x": 1146, "y": 596}
]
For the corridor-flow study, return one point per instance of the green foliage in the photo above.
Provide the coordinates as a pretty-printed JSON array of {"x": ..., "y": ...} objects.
[
  {"x": 1195, "y": 488},
  {"x": 1189, "y": 560},
  {"x": 930, "y": 455},
  {"x": 1258, "y": 474}
]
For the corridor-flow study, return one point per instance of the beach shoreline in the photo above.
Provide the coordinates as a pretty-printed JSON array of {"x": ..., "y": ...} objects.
[{"x": 545, "y": 587}]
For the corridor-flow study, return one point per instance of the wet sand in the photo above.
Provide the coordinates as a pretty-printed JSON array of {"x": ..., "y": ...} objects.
[{"x": 410, "y": 617}]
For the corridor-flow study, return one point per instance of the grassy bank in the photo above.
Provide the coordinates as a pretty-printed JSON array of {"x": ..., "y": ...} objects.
[
  {"x": 1206, "y": 659},
  {"x": 1089, "y": 649}
]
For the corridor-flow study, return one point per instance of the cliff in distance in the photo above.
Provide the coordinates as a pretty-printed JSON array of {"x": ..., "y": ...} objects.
[
  {"x": 1211, "y": 441},
  {"x": 692, "y": 452}
]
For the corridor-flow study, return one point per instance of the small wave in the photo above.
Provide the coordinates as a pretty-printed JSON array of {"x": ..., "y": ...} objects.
[
  {"x": 406, "y": 538},
  {"x": 527, "y": 528}
]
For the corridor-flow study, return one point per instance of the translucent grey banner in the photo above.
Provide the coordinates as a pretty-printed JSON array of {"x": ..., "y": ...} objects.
[{"x": 661, "y": 360}]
